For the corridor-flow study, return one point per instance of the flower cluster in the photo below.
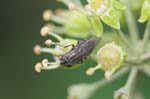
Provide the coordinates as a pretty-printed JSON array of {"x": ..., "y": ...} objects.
[{"x": 115, "y": 52}]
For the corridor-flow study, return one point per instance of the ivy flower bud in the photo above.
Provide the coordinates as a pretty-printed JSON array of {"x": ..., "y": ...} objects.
[
  {"x": 74, "y": 27},
  {"x": 110, "y": 58}
]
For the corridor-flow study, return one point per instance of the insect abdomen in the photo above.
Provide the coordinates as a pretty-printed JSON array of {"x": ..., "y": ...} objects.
[{"x": 78, "y": 53}]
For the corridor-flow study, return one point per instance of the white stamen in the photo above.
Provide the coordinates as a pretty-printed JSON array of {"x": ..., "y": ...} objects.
[
  {"x": 45, "y": 62},
  {"x": 108, "y": 74},
  {"x": 48, "y": 42},
  {"x": 91, "y": 70}
]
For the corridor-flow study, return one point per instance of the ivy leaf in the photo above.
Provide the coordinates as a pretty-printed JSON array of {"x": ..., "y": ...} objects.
[
  {"x": 110, "y": 18},
  {"x": 117, "y": 5},
  {"x": 145, "y": 12},
  {"x": 97, "y": 26}
]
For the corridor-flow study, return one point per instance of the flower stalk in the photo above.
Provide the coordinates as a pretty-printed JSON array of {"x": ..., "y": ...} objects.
[
  {"x": 131, "y": 23},
  {"x": 126, "y": 91},
  {"x": 146, "y": 36}
]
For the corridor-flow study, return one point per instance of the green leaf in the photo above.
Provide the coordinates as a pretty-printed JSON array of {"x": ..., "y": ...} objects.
[
  {"x": 145, "y": 12},
  {"x": 97, "y": 26},
  {"x": 110, "y": 18},
  {"x": 117, "y": 5}
]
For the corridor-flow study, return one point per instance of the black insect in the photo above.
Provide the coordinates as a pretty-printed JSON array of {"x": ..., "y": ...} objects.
[{"x": 78, "y": 52}]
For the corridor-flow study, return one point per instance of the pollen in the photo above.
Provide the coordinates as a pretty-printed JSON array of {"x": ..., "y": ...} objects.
[
  {"x": 47, "y": 14},
  {"x": 37, "y": 49},
  {"x": 90, "y": 71},
  {"x": 44, "y": 31},
  {"x": 48, "y": 42},
  {"x": 45, "y": 62},
  {"x": 71, "y": 6},
  {"x": 38, "y": 67}
]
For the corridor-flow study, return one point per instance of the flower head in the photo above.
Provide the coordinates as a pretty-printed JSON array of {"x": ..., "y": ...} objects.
[
  {"x": 98, "y": 6},
  {"x": 110, "y": 58}
]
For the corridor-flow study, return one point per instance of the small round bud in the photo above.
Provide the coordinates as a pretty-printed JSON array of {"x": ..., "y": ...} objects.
[
  {"x": 38, "y": 67},
  {"x": 111, "y": 56},
  {"x": 71, "y": 6},
  {"x": 45, "y": 62},
  {"x": 44, "y": 31},
  {"x": 47, "y": 14},
  {"x": 48, "y": 42},
  {"x": 37, "y": 49}
]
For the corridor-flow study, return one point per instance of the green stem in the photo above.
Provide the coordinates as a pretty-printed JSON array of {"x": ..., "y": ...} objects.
[
  {"x": 146, "y": 36},
  {"x": 124, "y": 39},
  {"x": 131, "y": 79},
  {"x": 131, "y": 23},
  {"x": 59, "y": 38},
  {"x": 103, "y": 82},
  {"x": 125, "y": 92}
]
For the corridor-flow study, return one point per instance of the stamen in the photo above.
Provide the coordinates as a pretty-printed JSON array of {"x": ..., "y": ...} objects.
[
  {"x": 45, "y": 62},
  {"x": 52, "y": 65},
  {"x": 91, "y": 70},
  {"x": 49, "y": 50},
  {"x": 108, "y": 74},
  {"x": 38, "y": 67},
  {"x": 47, "y": 15},
  {"x": 49, "y": 42},
  {"x": 37, "y": 49},
  {"x": 71, "y": 6},
  {"x": 44, "y": 31},
  {"x": 59, "y": 38},
  {"x": 58, "y": 19},
  {"x": 60, "y": 12}
]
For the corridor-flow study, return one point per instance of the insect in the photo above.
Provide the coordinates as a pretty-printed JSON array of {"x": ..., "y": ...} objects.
[{"x": 78, "y": 52}]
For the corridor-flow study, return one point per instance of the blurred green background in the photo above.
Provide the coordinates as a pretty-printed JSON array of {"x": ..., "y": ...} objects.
[{"x": 20, "y": 23}]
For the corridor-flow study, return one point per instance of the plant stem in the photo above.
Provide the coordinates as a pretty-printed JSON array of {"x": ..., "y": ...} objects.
[
  {"x": 123, "y": 38},
  {"x": 128, "y": 88},
  {"x": 146, "y": 36},
  {"x": 103, "y": 82},
  {"x": 131, "y": 80},
  {"x": 131, "y": 23}
]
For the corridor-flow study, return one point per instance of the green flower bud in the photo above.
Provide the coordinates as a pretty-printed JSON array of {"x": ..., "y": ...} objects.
[
  {"x": 77, "y": 25},
  {"x": 111, "y": 56},
  {"x": 107, "y": 10}
]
